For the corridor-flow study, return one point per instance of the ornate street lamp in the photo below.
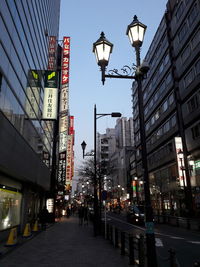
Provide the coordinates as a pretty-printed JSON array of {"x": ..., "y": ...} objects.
[
  {"x": 102, "y": 49},
  {"x": 135, "y": 32}
]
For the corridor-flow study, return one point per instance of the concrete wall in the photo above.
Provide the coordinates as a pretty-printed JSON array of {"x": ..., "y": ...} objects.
[{"x": 18, "y": 159}]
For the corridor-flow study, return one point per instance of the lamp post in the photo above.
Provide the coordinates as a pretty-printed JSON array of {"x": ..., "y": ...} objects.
[
  {"x": 102, "y": 49},
  {"x": 96, "y": 117},
  {"x": 97, "y": 208}
]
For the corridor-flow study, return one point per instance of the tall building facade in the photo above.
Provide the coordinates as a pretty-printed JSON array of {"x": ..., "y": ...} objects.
[
  {"x": 25, "y": 138},
  {"x": 114, "y": 151},
  {"x": 171, "y": 100}
]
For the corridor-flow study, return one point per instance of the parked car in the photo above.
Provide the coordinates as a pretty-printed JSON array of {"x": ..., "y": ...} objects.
[{"x": 135, "y": 214}]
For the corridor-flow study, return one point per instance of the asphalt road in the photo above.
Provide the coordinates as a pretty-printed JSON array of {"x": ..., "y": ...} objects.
[{"x": 186, "y": 243}]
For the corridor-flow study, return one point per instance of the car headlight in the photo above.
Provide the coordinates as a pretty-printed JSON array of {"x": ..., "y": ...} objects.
[{"x": 137, "y": 214}]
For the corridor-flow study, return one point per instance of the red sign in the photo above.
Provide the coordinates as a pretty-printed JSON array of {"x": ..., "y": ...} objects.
[{"x": 65, "y": 60}]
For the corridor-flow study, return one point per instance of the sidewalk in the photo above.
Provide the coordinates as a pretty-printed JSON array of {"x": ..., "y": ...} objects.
[{"x": 65, "y": 244}]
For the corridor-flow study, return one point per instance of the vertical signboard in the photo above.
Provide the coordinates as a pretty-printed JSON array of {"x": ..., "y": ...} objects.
[
  {"x": 64, "y": 96},
  {"x": 61, "y": 172},
  {"x": 69, "y": 161},
  {"x": 64, "y": 118},
  {"x": 52, "y": 53},
  {"x": 180, "y": 161},
  {"x": 33, "y": 94},
  {"x": 50, "y": 104}
]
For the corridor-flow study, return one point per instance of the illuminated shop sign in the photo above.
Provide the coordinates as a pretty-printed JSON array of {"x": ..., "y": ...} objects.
[
  {"x": 63, "y": 142},
  {"x": 33, "y": 94},
  {"x": 61, "y": 169},
  {"x": 197, "y": 164},
  {"x": 180, "y": 161},
  {"x": 63, "y": 124},
  {"x": 50, "y": 103}
]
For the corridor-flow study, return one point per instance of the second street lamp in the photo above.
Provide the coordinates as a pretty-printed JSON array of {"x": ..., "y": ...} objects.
[
  {"x": 97, "y": 208},
  {"x": 98, "y": 116},
  {"x": 135, "y": 32}
]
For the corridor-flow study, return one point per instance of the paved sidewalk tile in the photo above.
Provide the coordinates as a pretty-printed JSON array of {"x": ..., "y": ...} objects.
[{"x": 65, "y": 244}]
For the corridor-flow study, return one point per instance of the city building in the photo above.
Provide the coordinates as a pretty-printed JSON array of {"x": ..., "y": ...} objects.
[
  {"x": 171, "y": 100},
  {"x": 114, "y": 149},
  {"x": 25, "y": 137}
]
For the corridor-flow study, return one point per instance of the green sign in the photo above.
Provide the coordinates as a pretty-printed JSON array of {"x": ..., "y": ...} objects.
[
  {"x": 197, "y": 164},
  {"x": 51, "y": 79}
]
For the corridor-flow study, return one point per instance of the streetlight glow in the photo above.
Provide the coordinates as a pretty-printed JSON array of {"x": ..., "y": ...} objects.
[
  {"x": 102, "y": 49},
  {"x": 135, "y": 32}
]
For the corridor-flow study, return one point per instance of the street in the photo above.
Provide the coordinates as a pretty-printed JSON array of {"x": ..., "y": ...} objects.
[{"x": 186, "y": 243}]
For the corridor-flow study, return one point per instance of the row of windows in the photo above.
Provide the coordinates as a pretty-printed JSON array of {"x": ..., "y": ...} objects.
[
  {"x": 180, "y": 9},
  {"x": 156, "y": 76},
  {"x": 155, "y": 54},
  {"x": 191, "y": 74},
  {"x": 161, "y": 153},
  {"x": 158, "y": 94},
  {"x": 196, "y": 131},
  {"x": 163, "y": 107},
  {"x": 188, "y": 23},
  {"x": 194, "y": 102},
  {"x": 191, "y": 46},
  {"x": 168, "y": 125}
]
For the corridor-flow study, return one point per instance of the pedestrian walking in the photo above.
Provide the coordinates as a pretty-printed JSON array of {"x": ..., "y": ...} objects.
[
  {"x": 44, "y": 217},
  {"x": 85, "y": 216},
  {"x": 68, "y": 212},
  {"x": 81, "y": 214}
]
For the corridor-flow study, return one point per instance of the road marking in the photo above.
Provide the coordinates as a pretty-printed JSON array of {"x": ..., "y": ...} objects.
[
  {"x": 135, "y": 226},
  {"x": 159, "y": 242},
  {"x": 176, "y": 237},
  {"x": 157, "y": 233},
  {"x": 195, "y": 242}
]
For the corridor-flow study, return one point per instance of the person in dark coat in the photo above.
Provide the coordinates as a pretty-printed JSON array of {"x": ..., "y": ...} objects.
[
  {"x": 85, "y": 216},
  {"x": 81, "y": 214},
  {"x": 43, "y": 217}
]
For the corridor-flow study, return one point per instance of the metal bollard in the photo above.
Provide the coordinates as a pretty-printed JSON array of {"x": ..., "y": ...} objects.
[
  {"x": 141, "y": 251},
  {"x": 188, "y": 223},
  {"x": 177, "y": 222},
  {"x": 116, "y": 238},
  {"x": 131, "y": 250},
  {"x": 111, "y": 234},
  {"x": 172, "y": 257},
  {"x": 122, "y": 243},
  {"x": 107, "y": 232}
]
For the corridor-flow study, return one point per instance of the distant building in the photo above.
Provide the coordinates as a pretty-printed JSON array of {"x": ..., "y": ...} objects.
[{"x": 114, "y": 149}]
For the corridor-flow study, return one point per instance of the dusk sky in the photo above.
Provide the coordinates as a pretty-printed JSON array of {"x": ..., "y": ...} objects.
[{"x": 83, "y": 21}]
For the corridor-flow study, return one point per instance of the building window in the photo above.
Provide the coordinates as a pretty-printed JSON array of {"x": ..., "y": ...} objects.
[
  {"x": 192, "y": 15},
  {"x": 165, "y": 106},
  {"x": 196, "y": 131},
  {"x": 0, "y": 80},
  {"x": 171, "y": 99},
  {"x": 185, "y": 53},
  {"x": 197, "y": 67},
  {"x": 179, "y": 11},
  {"x": 193, "y": 103},
  {"x": 189, "y": 78},
  {"x": 182, "y": 32},
  {"x": 173, "y": 121},
  {"x": 196, "y": 39}
]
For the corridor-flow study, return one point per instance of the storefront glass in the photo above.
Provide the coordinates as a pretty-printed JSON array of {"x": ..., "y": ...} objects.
[{"x": 10, "y": 206}]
